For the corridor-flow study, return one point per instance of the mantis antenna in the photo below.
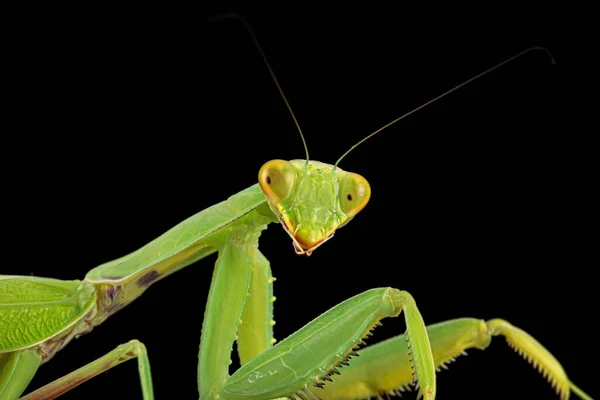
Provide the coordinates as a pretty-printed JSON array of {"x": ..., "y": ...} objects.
[
  {"x": 264, "y": 57},
  {"x": 445, "y": 94}
]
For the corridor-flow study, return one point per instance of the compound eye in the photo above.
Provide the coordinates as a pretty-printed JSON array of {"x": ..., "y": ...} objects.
[
  {"x": 355, "y": 192},
  {"x": 276, "y": 179}
]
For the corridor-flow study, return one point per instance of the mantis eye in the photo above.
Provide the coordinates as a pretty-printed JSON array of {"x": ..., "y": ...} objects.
[
  {"x": 276, "y": 179},
  {"x": 355, "y": 192}
]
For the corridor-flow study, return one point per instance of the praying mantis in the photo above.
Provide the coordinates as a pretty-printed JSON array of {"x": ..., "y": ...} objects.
[{"x": 306, "y": 266}]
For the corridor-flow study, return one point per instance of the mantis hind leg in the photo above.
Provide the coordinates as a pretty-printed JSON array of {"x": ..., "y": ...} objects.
[
  {"x": 119, "y": 355},
  {"x": 16, "y": 371},
  {"x": 384, "y": 368}
]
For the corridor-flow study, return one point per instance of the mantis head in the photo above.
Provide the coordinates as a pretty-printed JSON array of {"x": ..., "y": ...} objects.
[{"x": 312, "y": 199}]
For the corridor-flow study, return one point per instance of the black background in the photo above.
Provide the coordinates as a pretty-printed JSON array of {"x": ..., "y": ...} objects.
[{"x": 127, "y": 123}]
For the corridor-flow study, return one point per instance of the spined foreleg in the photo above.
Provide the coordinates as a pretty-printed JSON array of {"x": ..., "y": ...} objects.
[
  {"x": 384, "y": 368},
  {"x": 300, "y": 365}
]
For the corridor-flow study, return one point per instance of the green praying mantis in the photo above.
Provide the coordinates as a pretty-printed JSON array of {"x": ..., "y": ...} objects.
[{"x": 117, "y": 283}]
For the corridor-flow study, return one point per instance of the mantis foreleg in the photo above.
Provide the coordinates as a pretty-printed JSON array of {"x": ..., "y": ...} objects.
[
  {"x": 228, "y": 291},
  {"x": 308, "y": 358},
  {"x": 255, "y": 332},
  {"x": 241, "y": 273},
  {"x": 384, "y": 368}
]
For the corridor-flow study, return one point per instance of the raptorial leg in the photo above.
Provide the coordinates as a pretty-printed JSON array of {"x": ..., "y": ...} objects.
[
  {"x": 305, "y": 361},
  {"x": 255, "y": 332},
  {"x": 119, "y": 355},
  {"x": 384, "y": 368},
  {"x": 226, "y": 298}
]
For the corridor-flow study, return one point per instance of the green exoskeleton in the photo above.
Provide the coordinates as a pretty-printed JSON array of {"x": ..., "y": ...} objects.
[{"x": 311, "y": 200}]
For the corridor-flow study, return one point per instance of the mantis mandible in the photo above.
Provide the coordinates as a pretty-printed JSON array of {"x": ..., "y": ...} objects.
[{"x": 341, "y": 370}]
